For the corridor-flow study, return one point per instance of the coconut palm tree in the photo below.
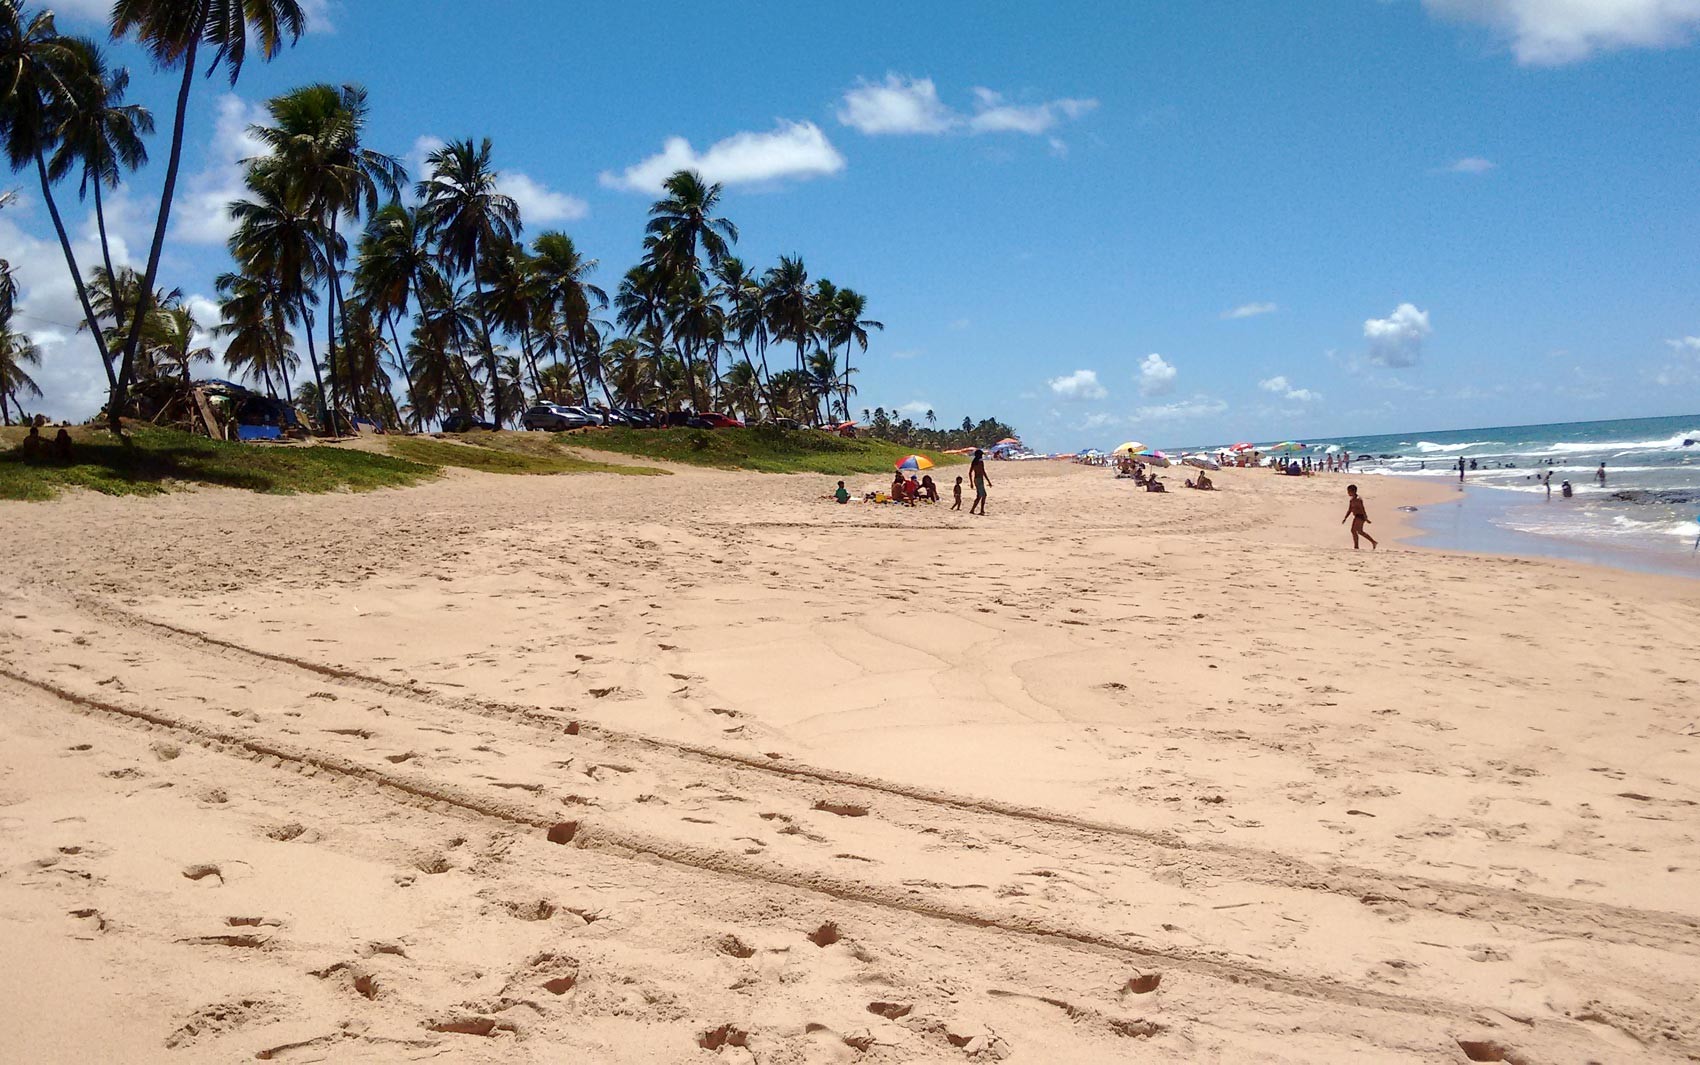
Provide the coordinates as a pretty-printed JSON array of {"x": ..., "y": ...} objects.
[
  {"x": 255, "y": 313},
  {"x": 174, "y": 32},
  {"x": 392, "y": 258},
  {"x": 513, "y": 298},
  {"x": 465, "y": 213},
  {"x": 42, "y": 74},
  {"x": 317, "y": 152},
  {"x": 114, "y": 296},
  {"x": 100, "y": 136},
  {"x": 788, "y": 302},
  {"x": 171, "y": 340},
  {"x": 683, "y": 222},
  {"x": 561, "y": 273},
  {"x": 437, "y": 354},
  {"x": 842, "y": 323},
  {"x": 17, "y": 351},
  {"x": 280, "y": 235},
  {"x": 744, "y": 317},
  {"x": 8, "y": 293}
]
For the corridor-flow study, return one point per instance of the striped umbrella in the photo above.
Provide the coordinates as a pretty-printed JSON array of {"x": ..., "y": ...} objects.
[{"x": 915, "y": 462}]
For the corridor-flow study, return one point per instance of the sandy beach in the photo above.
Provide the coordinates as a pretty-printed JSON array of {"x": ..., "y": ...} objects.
[{"x": 704, "y": 767}]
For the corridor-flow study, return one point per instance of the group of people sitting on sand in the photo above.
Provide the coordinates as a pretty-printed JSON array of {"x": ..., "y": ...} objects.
[
  {"x": 37, "y": 448},
  {"x": 909, "y": 491},
  {"x": 1149, "y": 480}
]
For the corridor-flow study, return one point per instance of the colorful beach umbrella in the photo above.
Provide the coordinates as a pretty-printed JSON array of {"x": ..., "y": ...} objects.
[
  {"x": 1203, "y": 462},
  {"x": 915, "y": 462},
  {"x": 1129, "y": 448},
  {"x": 1008, "y": 440},
  {"x": 1288, "y": 445},
  {"x": 1242, "y": 447},
  {"x": 1153, "y": 458}
]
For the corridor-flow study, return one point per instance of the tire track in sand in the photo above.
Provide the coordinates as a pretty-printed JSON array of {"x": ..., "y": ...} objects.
[{"x": 1543, "y": 913}]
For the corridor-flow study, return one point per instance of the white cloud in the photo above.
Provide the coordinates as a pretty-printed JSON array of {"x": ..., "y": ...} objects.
[
  {"x": 993, "y": 114},
  {"x": 1280, "y": 386},
  {"x": 915, "y": 408},
  {"x": 537, "y": 202},
  {"x": 901, "y": 105},
  {"x": 201, "y": 214},
  {"x": 1250, "y": 310},
  {"x": 1079, "y": 385},
  {"x": 1551, "y": 32},
  {"x": 1471, "y": 164},
  {"x": 896, "y": 105},
  {"x": 796, "y": 150},
  {"x": 1397, "y": 340},
  {"x": 1686, "y": 345},
  {"x": 72, "y": 382},
  {"x": 1156, "y": 376},
  {"x": 907, "y": 353},
  {"x": 1181, "y": 410}
]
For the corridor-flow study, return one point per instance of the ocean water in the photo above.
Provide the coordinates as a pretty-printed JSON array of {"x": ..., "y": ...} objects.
[{"x": 1646, "y": 516}]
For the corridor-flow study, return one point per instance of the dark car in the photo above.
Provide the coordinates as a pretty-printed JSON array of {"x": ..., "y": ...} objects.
[
  {"x": 555, "y": 418},
  {"x": 465, "y": 423},
  {"x": 715, "y": 420}
]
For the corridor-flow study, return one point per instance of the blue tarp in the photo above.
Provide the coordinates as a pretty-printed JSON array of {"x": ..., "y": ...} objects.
[{"x": 258, "y": 432}]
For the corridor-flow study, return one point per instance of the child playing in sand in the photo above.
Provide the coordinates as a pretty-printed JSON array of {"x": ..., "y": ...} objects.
[
  {"x": 843, "y": 494},
  {"x": 958, "y": 493},
  {"x": 1355, "y": 511}
]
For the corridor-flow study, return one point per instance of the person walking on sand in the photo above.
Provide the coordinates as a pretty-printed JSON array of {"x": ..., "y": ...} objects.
[
  {"x": 1359, "y": 518},
  {"x": 977, "y": 474},
  {"x": 958, "y": 493}
]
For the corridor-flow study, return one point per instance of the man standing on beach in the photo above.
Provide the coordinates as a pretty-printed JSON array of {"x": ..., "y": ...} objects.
[
  {"x": 977, "y": 474},
  {"x": 1546, "y": 481},
  {"x": 1359, "y": 517},
  {"x": 1460, "y": 469}
]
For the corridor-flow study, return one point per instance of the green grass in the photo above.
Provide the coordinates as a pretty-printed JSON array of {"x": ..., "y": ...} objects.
[
  {"x": 515, "y": 453},
  {"x": 768, "y": 449},
  {"x": 159, "y": 460}
]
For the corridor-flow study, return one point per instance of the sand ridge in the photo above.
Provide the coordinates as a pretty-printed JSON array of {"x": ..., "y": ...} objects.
[{"x": 655, "y": 772}]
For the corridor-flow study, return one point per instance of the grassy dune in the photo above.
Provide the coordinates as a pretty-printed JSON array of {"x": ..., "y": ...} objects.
[
  {"x": 159, "y": 460},
  {"x": 766, "y": 449},
  {"x": 512, "y": 453}
]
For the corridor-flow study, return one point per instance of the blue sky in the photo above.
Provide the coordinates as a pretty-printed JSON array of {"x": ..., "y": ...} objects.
[{"x": 1180, "y": 223}]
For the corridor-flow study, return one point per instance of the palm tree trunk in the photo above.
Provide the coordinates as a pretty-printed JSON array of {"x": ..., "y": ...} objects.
[
  {"x": 844, "y": 390},
  {"x": 489, "y": 350},
  {"x": 313, "y": 357},
  {"x": 407, "y": 371},
  {"x": 530, "y": 359},
  {"x": 105, "y": 257},
  {"x": 121, "y": 387},
  {"x": 76, "y": 272}
]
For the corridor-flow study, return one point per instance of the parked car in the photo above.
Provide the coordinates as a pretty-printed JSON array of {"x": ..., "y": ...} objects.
[
  {"x": 715, "y": 420},
  {"x": 555, "y": 418},
  {"x": 637, "y": 417},
  {"x": 459, "y": 422}
]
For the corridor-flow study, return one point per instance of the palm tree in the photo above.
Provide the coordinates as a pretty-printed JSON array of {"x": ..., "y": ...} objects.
[
  {"x": 17, "y": 351},
  {"x": 281, "y": 236},
  {"x": 114, "y": 296},
  {"x": 41, "y": 75},
  {"x": 100, "y": 135},
  {"x": 744, "y": 316},
  {"x": 256, "y": 313},
  {"x": 681, "y": 223},
  {"x": 513, "y": 298},
  {"x": 465, "y": 214},
  {"x": 317, "y": 153},
  {"x": 683, "y": 220},
  {"x": 842, "y": 323},
  {"x": 8, "y": 293},
  {"x": 560, "y": 272},
  {"x": 437, "y": 354},
  {"x": 393, "y": 256},
  {"x": 173, "y": 33},
  {"x": 170, "y": 340},
  {"x": 788, "y": 304}
]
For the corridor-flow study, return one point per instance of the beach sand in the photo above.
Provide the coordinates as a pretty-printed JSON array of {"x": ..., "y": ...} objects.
[{"x": 704, "y": 767}]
